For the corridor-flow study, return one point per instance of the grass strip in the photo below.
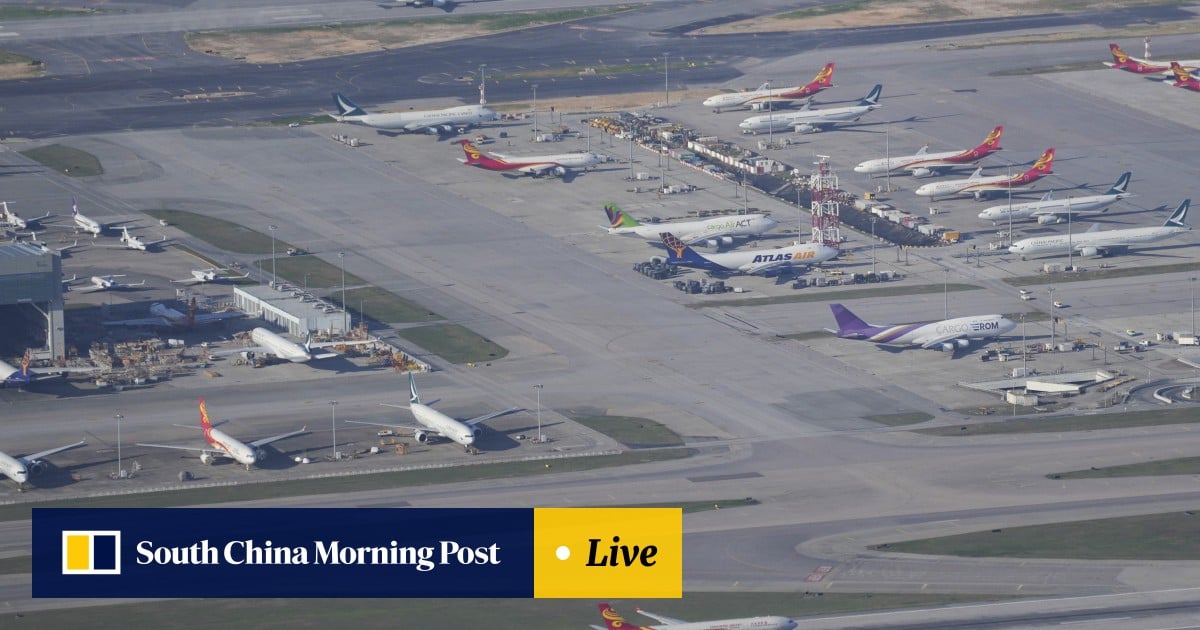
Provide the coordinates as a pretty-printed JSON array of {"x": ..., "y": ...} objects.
[
  {"x": 1055, "y": 424},
  {"x": 1161, "y": 467},
  {"x": 66, "y": 160},
  {"x": 825, "y": 296},
  {"x": 454, "y": 343}
]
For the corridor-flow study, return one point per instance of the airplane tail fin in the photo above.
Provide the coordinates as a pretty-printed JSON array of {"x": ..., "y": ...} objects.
[
  {"x": 992, "y": 141},
  {"x": 824, "y": 78},
  {"x": 617, "y": 217},
  {"x": 475, "y": 157},
  {"x": 1179, "y": 217},
  {"x": 847, "y": 321},
  {"x": 25, "y": 362},
  {"x": 1118, "y": 55},
  {"x": 977, "y": 174},
  {"x": 74, "y": 207},
  {"x": 346, "y": 107},
  {"x": 1122, "y": 185},
  {"x": 1181, "y": 73},
  {"x": 414, "y": 397},
  {"x": 612, "y": 619},
  {"x": 678, "y": 251},
  {"x": 1043, "y": 164},
  {"x": 205, "y": 423},
  {"x": 872, "y": 97}
]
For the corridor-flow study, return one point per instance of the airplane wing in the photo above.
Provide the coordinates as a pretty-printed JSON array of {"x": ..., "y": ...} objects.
[
  {"x": 538, "y": 169},
  {"x": 276, "y": 438},
  {"x": 331, "y": 344},
  {"x": 697, "y": 237},
  {"x": 663, "y": 619},
  {"x": 199, "y": 449},
  {"x": 52, "y": 451},
  {"x": 393, "y": 425},
  {"x": 932, "y": 342},
  {"x": 488, "y": 416},
  {"x": 220, "y": 353},
  {"x": 145, "y": 321},
  {"x": 763, "y": 267},
  {"x": 205, "y": 318}
]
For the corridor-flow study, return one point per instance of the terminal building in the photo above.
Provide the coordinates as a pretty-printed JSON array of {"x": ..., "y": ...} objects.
[
  {"x": 289, "y": 307},
  {"x": 31, "y": 300}
]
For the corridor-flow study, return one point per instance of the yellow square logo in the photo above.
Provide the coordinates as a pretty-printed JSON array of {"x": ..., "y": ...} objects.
[{"x": 608, "y": 552}]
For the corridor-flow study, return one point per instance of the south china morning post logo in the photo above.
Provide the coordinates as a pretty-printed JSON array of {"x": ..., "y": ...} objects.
[
  {"x": 91, "y": 552},
  {"x": 608, "y": 552}
]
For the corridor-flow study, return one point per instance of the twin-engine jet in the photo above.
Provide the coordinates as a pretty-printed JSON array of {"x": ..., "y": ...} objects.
[
  {"x": 222, "y": 444},
  {"x": 982, "y": 187},
  {"x": 713, "y": 232},
  {"x": 925, "y": 164},
  {"x": 764, "y": 94}
]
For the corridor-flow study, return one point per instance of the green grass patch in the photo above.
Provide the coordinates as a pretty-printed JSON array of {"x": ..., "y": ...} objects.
[
  {"x": 900, "y": 419},
  {"x": 320, "y": 274},
  {"x": 602, "y": 70},
  {"x": 352, "y": 483},
  {"x": 1063, "y": 67},
  {"x": 632, "y": 432},
  {"x": 286, "y": 614},
  {"x": 1176, "y": 466},
  {"x": 454, "y": 343},
  {"x": 16, "y": 564},
  {"x": 1170, "y": 536},
  {"x": 8, "y": 57},
  {"x": 1102, "y": 274},
  {"x": 227, "y": 235},
  {"x": 818, "y": 295},
  {"x": 66, "y": 160},
  {"x": 383, "y": 306},
  {"x": 34, "y": 13},
  {"x": 1055, "y": 424}
]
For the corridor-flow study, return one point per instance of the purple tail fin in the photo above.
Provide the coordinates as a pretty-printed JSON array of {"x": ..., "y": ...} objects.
[{"x": 846, "y": 320}]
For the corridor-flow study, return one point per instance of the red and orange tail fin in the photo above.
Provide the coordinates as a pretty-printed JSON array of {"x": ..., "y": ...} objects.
[
  {"x": 205, "y": 423},
  {"x": 1181, "y": 74},
  {"x": 25, "y": 360},
  {"x": 992, "y": 141},
  {"x": 1118, "y": 55},
  {"x": 1042, "y": 165},
  {"x": 824, "y": 78},
  {"x": 474, "y": 155},
  {"x": 614, "y": 621}
]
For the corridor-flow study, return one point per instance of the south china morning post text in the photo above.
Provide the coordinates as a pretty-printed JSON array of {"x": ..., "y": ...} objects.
[{"x": 332, "y": 552}]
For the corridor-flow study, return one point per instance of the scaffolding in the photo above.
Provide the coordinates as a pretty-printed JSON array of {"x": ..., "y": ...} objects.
[{"x": 826, "y": 199}]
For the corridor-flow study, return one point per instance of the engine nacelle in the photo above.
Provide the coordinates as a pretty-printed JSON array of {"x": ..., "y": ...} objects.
[
  {"x": 948, "y": 346},
  {"x": 1049, "y": 219},
  {"x": 982, "y": 195},
  {"x": 37, "y": 467},
  {"x": 207, "y": 458},
  {"x": 722, "y": 241},
  {"x": 921, "y": 173},
  {"x": 1088, "y": 252},
  {"x": 807, "y": 128},
  {"x": 558, "y": 171},
  {"x": 259, "y": 454},
  {"x": 477, "y": 430},
  {"x": 658, "y": 260},
  {"x": 421, "y": 437},
  {"x": 962, "y": 343}
]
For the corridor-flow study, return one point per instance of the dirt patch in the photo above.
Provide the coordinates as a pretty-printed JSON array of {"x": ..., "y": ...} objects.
[
  {"x": 600, "y": 104},
  {"x": 20, "y": 71},
  {"x": 320, "y": 43}
]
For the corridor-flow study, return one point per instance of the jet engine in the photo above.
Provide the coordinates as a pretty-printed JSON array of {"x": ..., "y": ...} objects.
[
  {"x": 658, "y": 260},
  {"x": 1048, "y": 219},
  {"x": 421, "y": 437},
  {"x": 477, "y": 430},
  {"x": 1089, "y": 252},
  {"x": 259, "y": 454},
  {"x": 37, "y": 467},
  {"x": 207, "y": 458},
  {"x": 921, "y": 173},
  {"x": 721, "y": 241},
  {"x": 558, "y": 171},
  {"x": 807, "y": 128}
]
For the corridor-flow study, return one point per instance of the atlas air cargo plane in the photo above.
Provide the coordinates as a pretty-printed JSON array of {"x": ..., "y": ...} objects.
[
  {"x": 535, "y": 165},
  {"x": 713, "y": 232},
  {"x": 1123, "y": 61},
  {"x": 925, "y": 164},
  {"x": 434, "y": 423},
  {"x": 982, "y": 187},
  {"x": 1095, "y": 242},
  {"x": 222, "y": 444},
  {"x": 947, "y": 335},
  {"x": 1049, "y": 210},
  {"x": 764, "y": 94},
  {"x": 614, "y": 621},
  {"x": 765, "y": 262}
]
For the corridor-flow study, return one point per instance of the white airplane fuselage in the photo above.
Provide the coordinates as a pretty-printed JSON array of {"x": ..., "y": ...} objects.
[
  {"x": 689, "y": 231},
  {"x": 740, "y": 99},
  {"x": 803, "y": 119},
  {"x": 905, "y": 162},
  {"x": 279, "y": 346},
  {"x": 964, "y": 186},
  {"x": 14, "y": 468},
  {"x": 435, "y": 420},
  {"x": 747, "y": 261},
  {"x": 1051, "y": 207},
  {"x": 416, "y": 121},
  {"x": 1093, "y": 243},
  {"x": 236, "y": 449}
]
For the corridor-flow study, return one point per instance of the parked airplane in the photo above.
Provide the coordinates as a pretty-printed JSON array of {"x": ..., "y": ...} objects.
[
  {"x": 104, "y": 283},
  {"x": 535, "y": 165},
  {"x": 224, "y": 445},
  {"x": 981, "y": 186},
  {"x": 767, "y": 262},
  {"x": 10, "y": 217},
  {"x": 947, "y": 335},
  {"x": 614, "y": 621},
  {"x": 1049, "y": 210},
  {"x": 810, "y": 120},
  {"x": 445, "y": 5},
  {"x": 275, "y": 345},
  {"x": 766, "y": 94},
  {"x": 713, "y": 232},
  {"x": 212, "y": 274},
  {"x": 1102, "y": 243},
  {"x": 167, "y": 317},
  {"x": 925, "y": 164},
  {"x": 438, "y": 121},
  {"x": 1123, "y": 61},
  {"x": 20, "y": 468},
  {"x": 1183, "y": 78},
  {"x": 42, "y": 245},
  {"x": 92, "y": 226},
  {"x": 130, "y": 241},
  {"x": 436, "y": 423}
]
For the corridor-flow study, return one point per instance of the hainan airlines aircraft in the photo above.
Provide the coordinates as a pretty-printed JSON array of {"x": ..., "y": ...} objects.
[
  {"x": 20, "y": 468},
  {"x": 535, "y": 165},
  {"x": 1050, "y": 210},
  {"x": 713, "y": 232},
  {"x": 167, "y": 317},
  {"x": 811, "y": 120},
  {"x": 614, "y": 621},
  {"x": 766, "y": 262},
  {"x": 439, "y": 121},
  {"x": 92, "y": 226},
  {"x": 981, "y": 186},
  {"x": 1102, "y": 243},
  {"x": 436, "y": 423},
  {"x": 1183, "y": 78},
  {"x": 925, "y": 164},
  {"x": 224, "y": 445},
  {"x": 1123, "y": 61},
  {"x": 10, "y": 217},
  {"x": 947, "y": 335},
  {"x": 766, "y": 94}
]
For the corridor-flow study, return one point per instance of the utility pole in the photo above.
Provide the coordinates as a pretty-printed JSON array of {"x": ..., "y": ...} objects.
[
  {"x": 271, "y": 229},
  {"x": 120, "y": 470},
  {"x": 333, "y": 423},
  {"x": 667, "y": 79},
  {"x": 345, "y": 308},
  {"x": 1052, "y": 319},
  {"x": 538, "y": 387},
  {"x": 535, "y": 112}
]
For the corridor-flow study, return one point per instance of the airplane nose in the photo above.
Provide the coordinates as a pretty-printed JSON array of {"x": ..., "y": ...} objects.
[
  {"x": 986, "y": 214},
  {"x": 860, "y": 169},
  {"x": 1013, "y": 249}
]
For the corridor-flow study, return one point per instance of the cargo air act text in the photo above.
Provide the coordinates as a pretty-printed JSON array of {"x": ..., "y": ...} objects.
[{"x": 239, "y": 552}]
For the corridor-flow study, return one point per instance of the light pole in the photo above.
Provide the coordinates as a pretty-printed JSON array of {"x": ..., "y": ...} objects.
[
  {"x": 770, "y": 125},
  {"x": 887, "y": 153},
  {"x": 306, "y": 283},
  {"x": 535, "y": 112},
  {"x": 345, "y": 312},
  {"x": 667, "y": 78},
  {"x": 120, "y": 470},
  {"x": 271, "y": 229},
  {"x": 946, "y": 290},
  {"x": 1070, "y": 244},
  {"x": 873, "y": 218},
  {"x": 1052, "y": 319},
  {"x": 333, "y": 423},
  {"x": 1010, "y": 205},
  {"x": 1192, "y": 284},
  {"x": 538, "y": 387}
]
